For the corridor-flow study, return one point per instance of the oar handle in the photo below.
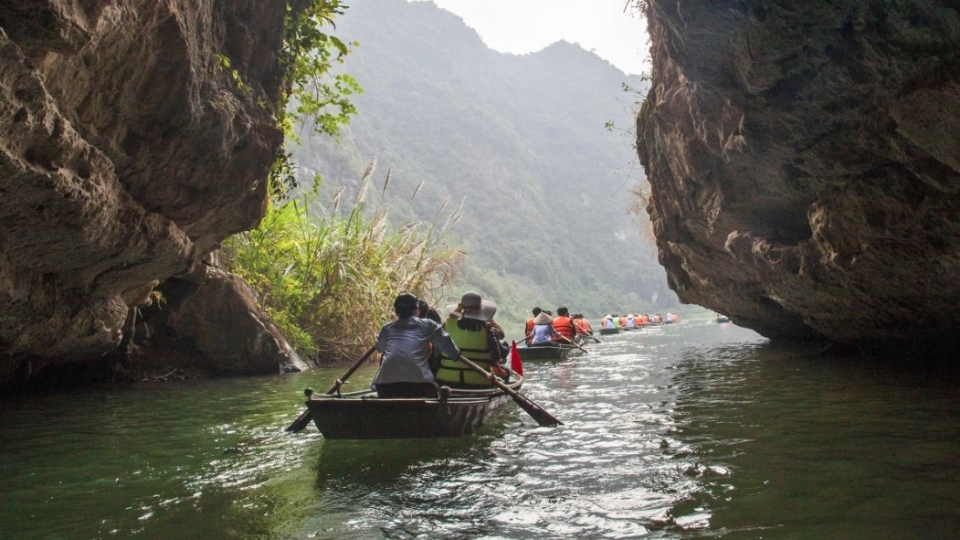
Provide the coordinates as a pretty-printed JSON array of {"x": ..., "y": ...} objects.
[
  {"x": 356, "y": 365},
  {"x": 538, "y": 413}
]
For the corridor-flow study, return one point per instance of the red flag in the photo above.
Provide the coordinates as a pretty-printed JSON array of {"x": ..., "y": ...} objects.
[{"x": 515, "y": 364}]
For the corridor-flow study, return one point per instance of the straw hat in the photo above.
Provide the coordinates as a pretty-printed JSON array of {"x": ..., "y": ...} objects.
[
  {"x": 542, "y": 318},
  {"x": 472, "y": 306}
]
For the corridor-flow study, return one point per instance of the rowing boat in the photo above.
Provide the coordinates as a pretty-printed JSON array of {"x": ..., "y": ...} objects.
[
  {"x": 363, "y": 415},
  {"x": 545, "y": 352},
  {"x": 609, "y": 331}
]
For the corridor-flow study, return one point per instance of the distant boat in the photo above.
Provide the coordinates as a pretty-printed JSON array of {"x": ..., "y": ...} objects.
[
  {"x": 609, "y": 331},
  {"x": 722, "y": 318}
]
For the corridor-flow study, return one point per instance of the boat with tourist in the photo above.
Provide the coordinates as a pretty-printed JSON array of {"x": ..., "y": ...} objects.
[
  {"x": 363, "y": 415},
  {"x": 545, "y": 352}
]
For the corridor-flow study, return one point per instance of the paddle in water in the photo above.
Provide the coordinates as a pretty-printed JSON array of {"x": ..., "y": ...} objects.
[
  {"x": 538, "y": 413},
  {"x": 303, "y": 420},
  {"x": 570, "y": 341}
]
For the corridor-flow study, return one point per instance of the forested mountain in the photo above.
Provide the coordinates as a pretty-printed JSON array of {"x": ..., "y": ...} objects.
[{"x": 520, "y": 139}]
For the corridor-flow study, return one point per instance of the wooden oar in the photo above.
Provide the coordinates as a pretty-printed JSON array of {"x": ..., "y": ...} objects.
[
  {"x": 303, "y": 420},
  {"x": 570, "y": 341},
  {"x": 591, "y": 336},
  {"x": 541, "y": 416}
]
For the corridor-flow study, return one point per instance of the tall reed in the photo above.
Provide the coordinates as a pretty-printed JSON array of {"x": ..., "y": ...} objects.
[{"x": 327, "y": 276}]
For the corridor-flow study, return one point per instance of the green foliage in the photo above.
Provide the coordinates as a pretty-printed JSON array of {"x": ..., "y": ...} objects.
[
  {"x": 519, "y": 139},
  {"x": 328, "y": 279},
  {"x": 313, "y": 93}
]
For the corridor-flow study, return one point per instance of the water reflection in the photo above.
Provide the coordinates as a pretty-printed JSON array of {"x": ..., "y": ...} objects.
[
  {"x": 824, "y": 448},
  {"x": 689, "y": 431}
]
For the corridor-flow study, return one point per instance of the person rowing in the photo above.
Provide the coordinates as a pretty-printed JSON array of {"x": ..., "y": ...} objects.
[
  {"x": 543, "y": 332},
  {"x": 405, "y": 343}
]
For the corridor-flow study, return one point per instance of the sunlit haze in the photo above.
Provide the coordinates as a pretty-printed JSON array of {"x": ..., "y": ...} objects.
[{"x": 524, "y": 26}]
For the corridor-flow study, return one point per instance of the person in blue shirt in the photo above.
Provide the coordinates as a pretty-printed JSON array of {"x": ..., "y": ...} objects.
[{"x": 405, "y": 344}]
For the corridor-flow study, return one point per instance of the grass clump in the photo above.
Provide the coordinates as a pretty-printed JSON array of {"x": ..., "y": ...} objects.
[{"x": 327, "y": 275}]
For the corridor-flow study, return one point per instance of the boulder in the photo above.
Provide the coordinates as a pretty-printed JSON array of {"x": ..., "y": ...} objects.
[{"x": 218, "y": 317}]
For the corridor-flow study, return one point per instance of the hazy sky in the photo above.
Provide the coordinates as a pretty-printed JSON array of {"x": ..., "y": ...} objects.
[{"x": 523, "y": 26}]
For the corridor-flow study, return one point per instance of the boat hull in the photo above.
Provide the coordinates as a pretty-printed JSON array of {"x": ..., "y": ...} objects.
[
  {"x": 362, "y": 415},
  {"x": 609, "y": 331},
  {"x": 532, "y": 354}
]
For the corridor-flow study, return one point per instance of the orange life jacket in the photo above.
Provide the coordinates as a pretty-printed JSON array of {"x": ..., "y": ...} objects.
[
  {"x": 528, "y": 331},
  {"x": 564, "y": 327},
  {"x": 584, "y": 326}
]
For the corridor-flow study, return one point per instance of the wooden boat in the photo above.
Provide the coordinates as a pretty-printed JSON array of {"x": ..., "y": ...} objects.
[
  {"x": 545, "y": 352},
  {"x": 363, "y": 415},
  {"x": 609, "y": 331}
]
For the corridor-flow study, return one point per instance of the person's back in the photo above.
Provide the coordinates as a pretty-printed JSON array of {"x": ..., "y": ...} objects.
[
  {"x": 471, "y": 326},
  {"x": 583, "y": 325},
  {"x": 564, "y": 325},
  {"x": 528, "y": 327},
  {"x": 406, "y": 347},
  {"x": 543, "y": 331}
]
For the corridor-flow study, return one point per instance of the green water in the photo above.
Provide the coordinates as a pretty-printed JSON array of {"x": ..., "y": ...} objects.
[{"x": 695, "y": 430}]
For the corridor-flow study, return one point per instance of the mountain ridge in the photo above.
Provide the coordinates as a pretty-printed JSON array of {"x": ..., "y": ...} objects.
[{"x": 521, "y": 137}]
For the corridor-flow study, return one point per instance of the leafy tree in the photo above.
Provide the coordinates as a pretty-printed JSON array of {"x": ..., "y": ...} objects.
[{"x": 316, "y": 96}]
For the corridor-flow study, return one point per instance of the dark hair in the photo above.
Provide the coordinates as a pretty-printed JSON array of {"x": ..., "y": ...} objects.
[
  {"x": 563, "y": 312},
  {"x": 536, "y": 311},
  {"x": 405, "y": 305},
  {"x": 427, "y": 312}
]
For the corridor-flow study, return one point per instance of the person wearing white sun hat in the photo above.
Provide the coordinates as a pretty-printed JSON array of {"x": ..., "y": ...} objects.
[{"x": 473, "y": 329}]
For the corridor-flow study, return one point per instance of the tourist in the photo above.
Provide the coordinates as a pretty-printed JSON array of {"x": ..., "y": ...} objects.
[
  {"x": 471, "y": 326},
  {"x": 564, "y": 326},
  {"x": 528, "y": 328},
  {"x": 405, "y": 344},
  {"x": 543, "y": 332}
]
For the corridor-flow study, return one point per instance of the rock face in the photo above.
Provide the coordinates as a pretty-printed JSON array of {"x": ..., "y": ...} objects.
[
  {"x": 804, "y": 163},
  {"x": 215, "y": 315},
  {"x": 128, "y": 151}
]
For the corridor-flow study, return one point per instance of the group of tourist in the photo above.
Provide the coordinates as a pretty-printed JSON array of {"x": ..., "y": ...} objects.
[
  {"x": 543, "y": 329},
  {"x": 636, "y": 321},
  {"x": 420, "y": 353}
]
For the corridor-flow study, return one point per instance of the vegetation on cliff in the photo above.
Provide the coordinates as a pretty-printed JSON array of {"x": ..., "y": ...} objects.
[{"x": 324, "y": 277}]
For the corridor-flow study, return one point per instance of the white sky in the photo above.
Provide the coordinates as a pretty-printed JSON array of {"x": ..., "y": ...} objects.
[{"x": 524, "y": 26}]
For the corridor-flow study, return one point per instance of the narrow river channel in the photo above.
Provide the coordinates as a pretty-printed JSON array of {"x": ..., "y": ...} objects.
[{"x": 693, "y": 430}]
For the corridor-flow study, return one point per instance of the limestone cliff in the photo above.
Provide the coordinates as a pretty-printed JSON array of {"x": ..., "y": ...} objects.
[
  {"x": 134, "y": 136},
  {"x": 804, "y": 164}
]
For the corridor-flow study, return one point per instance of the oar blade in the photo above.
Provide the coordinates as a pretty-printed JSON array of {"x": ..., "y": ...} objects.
[
  {"x": 303, "y": 420},
  {"x": 300, "y": 423},
  {"x": 541, "y": 416}
]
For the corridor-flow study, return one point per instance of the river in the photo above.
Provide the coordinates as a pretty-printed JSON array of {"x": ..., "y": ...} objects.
[{"x": 693, "y": 430}]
